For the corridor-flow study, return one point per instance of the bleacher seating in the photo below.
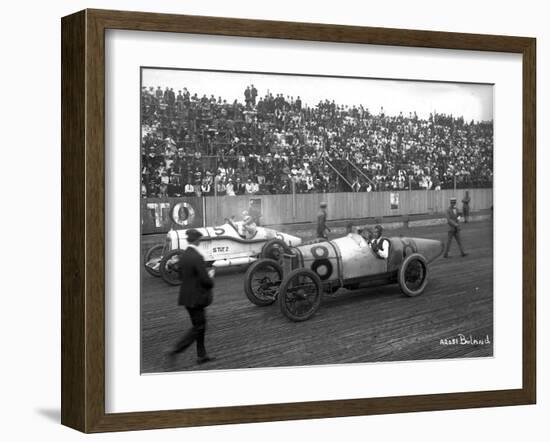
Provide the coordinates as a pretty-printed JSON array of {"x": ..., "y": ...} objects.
[{"x": 206, "y": 146}]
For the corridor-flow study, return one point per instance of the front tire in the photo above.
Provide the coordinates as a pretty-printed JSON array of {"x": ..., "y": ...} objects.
[
  {"x": 413, "y": 275},
  {"x": 300, "y": 295},
  {"x": 262, "y": 281},
  {"x": 167, "y": 271}
]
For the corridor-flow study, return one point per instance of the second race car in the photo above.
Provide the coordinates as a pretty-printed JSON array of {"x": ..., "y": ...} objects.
[
  {"x": 350, "y": 262},
  {"x": 221, "y": 246}
]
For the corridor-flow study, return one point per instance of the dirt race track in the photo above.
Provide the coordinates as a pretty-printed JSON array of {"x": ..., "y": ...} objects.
[{"x": 377, "y": 324}]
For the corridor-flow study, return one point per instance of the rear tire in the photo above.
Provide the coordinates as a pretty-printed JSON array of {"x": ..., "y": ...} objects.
[
  {"x": 152, "y": 254},
  {"x": 413, "y": 275}
]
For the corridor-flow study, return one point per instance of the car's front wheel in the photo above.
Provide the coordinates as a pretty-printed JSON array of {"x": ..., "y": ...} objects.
[
  {"x": 300, "y": 294},
  {"x": 262, "y": 281},
  {"x": 413, "y": 275}
]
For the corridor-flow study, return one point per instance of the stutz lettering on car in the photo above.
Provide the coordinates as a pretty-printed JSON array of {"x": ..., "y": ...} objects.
[{"x": 223, "y": 249}]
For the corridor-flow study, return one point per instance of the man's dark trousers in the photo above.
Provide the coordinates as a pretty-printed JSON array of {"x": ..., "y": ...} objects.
[
  {"x": 195, "y": 295},
  {"x": 196, "y": 333},
  {"x": 453, "y": 233}
]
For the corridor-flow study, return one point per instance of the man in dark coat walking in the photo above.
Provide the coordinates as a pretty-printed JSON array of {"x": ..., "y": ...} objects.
[
  {"x": 195, "y": 294},
  {"x": 454, "y": 229}
]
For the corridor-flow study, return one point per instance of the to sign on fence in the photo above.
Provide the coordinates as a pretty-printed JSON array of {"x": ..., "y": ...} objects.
[{"x": 162, "y": 214}]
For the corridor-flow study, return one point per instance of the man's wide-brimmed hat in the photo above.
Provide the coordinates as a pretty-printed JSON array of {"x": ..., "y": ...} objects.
[{"x": 193, "y": 235}]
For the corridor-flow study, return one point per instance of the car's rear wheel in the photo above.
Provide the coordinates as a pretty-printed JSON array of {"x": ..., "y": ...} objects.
[
  {"x": 413, "y": 275},
  {"x": 262, "y": 281},
  {"x": 152, "y": 258},
  {"x": 273, "y": 249},
  {"x": 167, "y": 269},
  {"x": 300, "y": 294}
]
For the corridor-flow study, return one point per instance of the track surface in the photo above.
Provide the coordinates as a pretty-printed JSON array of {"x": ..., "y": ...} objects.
[{"x": 377, "y": 324}]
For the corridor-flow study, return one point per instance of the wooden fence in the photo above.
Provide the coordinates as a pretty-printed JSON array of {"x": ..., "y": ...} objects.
[{"x": 299, "y": 208}]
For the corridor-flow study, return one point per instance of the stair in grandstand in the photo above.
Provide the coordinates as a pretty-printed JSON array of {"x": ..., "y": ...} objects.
[{"x": 350, "y": 174}]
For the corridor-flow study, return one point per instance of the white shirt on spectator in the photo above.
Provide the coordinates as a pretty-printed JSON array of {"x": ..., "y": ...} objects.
[{"x": 229, "y": 189}]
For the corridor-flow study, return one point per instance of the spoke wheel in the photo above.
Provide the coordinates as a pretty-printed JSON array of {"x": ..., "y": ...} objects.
[
  {"x": 167, "y": 270},
  {"x": 152, "y": 258},
  {"x": 413, "y": 275},
  {"x": 300, "y": 295},
  {"x": 262, "y": 281}
]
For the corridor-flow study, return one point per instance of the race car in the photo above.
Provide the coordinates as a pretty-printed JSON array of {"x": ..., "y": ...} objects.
[
  {"x": 221, "y": 246},
  {"x": 350, "y": 262}
]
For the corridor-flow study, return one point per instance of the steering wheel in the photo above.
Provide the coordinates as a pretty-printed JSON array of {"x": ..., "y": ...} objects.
[{"x": 232, "y": 224}]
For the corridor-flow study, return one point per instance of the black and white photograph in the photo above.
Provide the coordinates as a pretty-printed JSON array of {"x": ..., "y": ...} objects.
[
  {"x": 272, "y": 221},
  {"x": 302, "y": 220}
]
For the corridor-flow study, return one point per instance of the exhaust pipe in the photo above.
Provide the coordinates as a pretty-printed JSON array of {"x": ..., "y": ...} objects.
[{"x": 233, "y": 262}]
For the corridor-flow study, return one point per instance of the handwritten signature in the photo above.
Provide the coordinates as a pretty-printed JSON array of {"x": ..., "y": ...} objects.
[{"x": 461, "y": 339}]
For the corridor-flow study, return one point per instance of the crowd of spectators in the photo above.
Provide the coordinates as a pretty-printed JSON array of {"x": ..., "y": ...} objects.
[{"x": 273, "y": 144}]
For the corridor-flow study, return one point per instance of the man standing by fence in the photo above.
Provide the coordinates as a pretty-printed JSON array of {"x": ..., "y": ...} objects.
[
  {"x": 322, "y": 227},
  {"x": 255, "y": 210},
  {"x": 466, "y": 207},
  {"x": 454, "y": 229}
]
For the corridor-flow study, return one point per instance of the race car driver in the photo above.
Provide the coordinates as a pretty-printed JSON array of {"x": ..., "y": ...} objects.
[
  {"x": 379, "y": 245},
  {"x": 249, "y": 226}
]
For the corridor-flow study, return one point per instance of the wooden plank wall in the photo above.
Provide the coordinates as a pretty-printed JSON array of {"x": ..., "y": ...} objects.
[{"x": 285, "y": 209}]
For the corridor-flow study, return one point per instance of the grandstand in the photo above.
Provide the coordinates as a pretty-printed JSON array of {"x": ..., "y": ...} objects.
[{"x": 275, "y": 144}]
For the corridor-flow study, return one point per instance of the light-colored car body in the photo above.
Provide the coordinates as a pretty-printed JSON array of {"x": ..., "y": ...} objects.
[
  {"x": 351, "y": 259},
  {"x": 221, "y": 246},
  {"x": 227, "y": 244}
]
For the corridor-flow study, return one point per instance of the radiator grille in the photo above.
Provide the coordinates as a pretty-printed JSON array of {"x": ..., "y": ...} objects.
[{"x": 290, "y": 262}]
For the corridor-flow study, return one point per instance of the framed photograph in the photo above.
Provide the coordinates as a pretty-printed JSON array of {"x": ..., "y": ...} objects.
[{"x": 266, "y": 221}]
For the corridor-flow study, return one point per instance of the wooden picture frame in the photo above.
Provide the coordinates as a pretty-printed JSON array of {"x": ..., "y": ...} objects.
[{"x": 83, "y": 220}]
